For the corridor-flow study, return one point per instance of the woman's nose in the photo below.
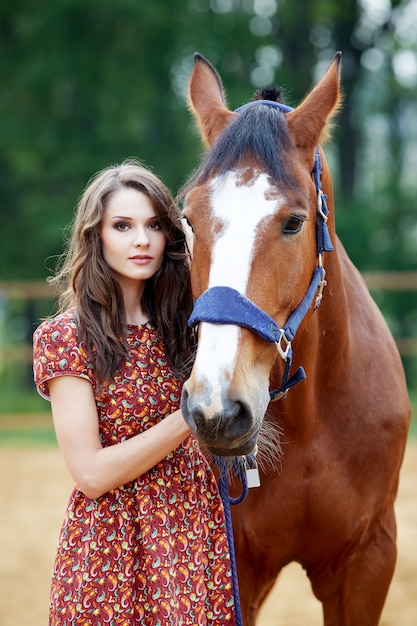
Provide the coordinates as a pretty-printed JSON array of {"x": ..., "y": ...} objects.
[{"x": 141, "y": 237}]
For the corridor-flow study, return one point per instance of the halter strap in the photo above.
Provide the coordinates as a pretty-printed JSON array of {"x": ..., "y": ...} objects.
[
  {"x": 270, "y": 103},
  {"x": 240, "y": 311}
]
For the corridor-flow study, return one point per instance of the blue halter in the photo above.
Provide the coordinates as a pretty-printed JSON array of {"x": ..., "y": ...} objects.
[{"x": 224, "y": 305}]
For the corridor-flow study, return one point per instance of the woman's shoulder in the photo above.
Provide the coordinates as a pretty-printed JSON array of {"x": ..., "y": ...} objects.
[
  {"x": 66, "y": 320},
  {"x": 61, "y": 319},
  {"x": 57, "y": 351}
]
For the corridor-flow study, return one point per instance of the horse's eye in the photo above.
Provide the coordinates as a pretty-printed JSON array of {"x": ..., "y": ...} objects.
[{"x": 293, "y": 225}]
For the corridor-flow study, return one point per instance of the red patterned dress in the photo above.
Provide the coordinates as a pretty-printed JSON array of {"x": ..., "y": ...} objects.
[{"x": 154, "y": 551}]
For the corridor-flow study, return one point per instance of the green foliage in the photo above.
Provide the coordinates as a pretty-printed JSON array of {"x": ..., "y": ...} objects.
[{"x": 85, "y": 84}]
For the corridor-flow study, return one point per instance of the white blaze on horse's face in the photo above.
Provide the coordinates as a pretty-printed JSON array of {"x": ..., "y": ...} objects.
[{"x": 239, "y": 208}]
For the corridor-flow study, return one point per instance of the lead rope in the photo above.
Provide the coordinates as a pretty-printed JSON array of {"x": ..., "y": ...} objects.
[{"x": 227, "y": 501}]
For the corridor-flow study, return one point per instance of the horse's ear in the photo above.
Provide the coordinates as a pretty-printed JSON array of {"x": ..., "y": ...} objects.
[
  {"x": 309, "y": 123},
  {"x": 207, "y": 100}
]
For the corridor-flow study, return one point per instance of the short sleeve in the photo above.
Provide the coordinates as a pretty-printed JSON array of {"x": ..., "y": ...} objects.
[{"x": 57, "y": 352}]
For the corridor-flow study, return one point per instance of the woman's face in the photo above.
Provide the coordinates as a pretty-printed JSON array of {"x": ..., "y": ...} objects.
[{"x": 133, "y": 243}]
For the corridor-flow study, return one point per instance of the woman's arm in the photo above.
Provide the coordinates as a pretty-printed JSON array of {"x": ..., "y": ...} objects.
[{"x": 95, "y": 469}]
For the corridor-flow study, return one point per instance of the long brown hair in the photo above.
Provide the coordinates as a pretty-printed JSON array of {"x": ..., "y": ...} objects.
[{"x": 86, "y": 282}]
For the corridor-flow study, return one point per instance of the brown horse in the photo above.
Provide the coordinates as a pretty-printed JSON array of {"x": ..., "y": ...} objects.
[{"x": 263, "y": 234}]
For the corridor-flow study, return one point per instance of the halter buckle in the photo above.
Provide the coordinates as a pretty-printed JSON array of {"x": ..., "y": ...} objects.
[
  {"x": 320, "y": 211},
  {"x": 283, "y": 352},
  {"x": 320, "y": 287}
]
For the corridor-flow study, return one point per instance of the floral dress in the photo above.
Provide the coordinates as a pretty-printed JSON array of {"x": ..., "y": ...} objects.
[{"x": 154, "y": 551}]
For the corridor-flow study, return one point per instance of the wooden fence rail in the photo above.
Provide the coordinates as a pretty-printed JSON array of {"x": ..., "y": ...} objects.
[
  {"x": 38, "y": 290},
  {"x": 391, "y": 281},
  {"x": 376, "y": 281},
  {"x": 25, "y": 290}
]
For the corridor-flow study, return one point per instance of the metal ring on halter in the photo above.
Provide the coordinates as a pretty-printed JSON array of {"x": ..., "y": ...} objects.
[
  {"x": 283, "y": 352},
  {"x": 320, "y": 206}
]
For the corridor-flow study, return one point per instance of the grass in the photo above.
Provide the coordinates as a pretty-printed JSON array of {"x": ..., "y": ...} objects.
[
  {"x": 21, "y": 401},
  {"x": 27, "y": 429},
  {"x": 28, "y": 438},
  {"x": 25, "y": 418}
]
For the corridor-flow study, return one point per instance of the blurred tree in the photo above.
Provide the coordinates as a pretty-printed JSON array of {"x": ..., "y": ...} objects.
[{"x": 85, "y": 84}]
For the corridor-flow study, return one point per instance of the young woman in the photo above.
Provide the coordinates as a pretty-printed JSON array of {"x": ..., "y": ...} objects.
[{"x": 143, "y": 541}]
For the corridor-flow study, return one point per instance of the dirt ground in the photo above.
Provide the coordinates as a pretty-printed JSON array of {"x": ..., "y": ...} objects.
[{"x": 34, "y": 488}]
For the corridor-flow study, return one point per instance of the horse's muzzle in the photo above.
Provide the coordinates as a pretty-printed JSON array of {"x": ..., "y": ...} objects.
[{"x": 230, "y": 431}]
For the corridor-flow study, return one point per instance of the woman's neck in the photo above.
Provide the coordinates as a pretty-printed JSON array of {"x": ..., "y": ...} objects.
[{"x": 132, "y": 298}]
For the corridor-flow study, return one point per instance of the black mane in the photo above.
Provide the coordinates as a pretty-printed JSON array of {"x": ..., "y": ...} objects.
[{"x": 259, "y": 132}]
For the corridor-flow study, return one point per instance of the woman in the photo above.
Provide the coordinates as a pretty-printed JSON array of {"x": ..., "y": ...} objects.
[{"x": 143, "y": 541}]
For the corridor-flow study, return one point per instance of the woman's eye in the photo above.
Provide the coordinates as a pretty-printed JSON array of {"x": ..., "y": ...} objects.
[
  {"x": 121, "y": 226},
  {"x": 293, "y": 225},
  {"x": 155, "y": 226}
]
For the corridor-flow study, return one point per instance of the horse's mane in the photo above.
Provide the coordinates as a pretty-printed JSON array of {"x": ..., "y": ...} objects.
[{"x": 259, "y": 135}]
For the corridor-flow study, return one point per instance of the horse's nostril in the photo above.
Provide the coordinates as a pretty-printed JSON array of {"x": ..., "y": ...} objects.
[
  {"x": 195, "y": 415},
  {"x": 185, "y": 410},
  {"x": 238, "y": 421},
  {"x": 199, "y": 417}
]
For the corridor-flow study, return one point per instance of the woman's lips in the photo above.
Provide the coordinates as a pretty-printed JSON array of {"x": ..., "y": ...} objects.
[{"x": 141, "y": 259}]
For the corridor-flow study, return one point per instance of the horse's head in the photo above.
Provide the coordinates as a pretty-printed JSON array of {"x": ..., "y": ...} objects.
[{"x": 252, "y": 206}]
